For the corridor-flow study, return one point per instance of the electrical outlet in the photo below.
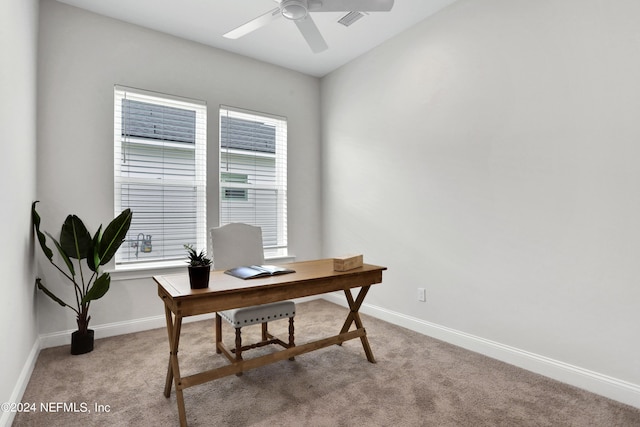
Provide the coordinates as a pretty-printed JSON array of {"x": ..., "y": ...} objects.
[{"x": 422, "y": 294}]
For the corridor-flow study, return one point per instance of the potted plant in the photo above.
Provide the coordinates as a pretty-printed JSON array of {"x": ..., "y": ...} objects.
[
  {"x": 199, "y": 268},
  {"x": 75, "y": 243}
]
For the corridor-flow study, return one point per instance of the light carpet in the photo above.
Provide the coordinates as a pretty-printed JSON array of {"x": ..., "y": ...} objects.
[{"x": 417, "y": 381}]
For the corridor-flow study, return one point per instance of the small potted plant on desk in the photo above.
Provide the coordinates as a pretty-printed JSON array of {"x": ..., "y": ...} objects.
[{"x": 199, "y": 268}]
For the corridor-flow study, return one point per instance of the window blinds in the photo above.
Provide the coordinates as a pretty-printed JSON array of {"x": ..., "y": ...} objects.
[
  {"x": 253, "y": 174},
  {"x": 160, "y": 173}
]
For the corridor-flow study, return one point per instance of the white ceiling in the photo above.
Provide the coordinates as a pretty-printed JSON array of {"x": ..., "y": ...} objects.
[{"x": 280, "y": 42}]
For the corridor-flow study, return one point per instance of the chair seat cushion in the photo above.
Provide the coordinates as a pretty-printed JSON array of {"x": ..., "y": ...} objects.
[{"x": 245, "y": 316}]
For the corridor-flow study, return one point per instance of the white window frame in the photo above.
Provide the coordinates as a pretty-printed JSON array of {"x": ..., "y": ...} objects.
[
  {"x": 280, "y": 249},
  {"x": 199, "y": 182}
]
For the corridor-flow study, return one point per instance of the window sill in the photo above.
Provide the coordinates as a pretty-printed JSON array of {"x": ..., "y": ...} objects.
[
  {"x": 147, "y": 271},
  {"x": 280, "y": 259}
]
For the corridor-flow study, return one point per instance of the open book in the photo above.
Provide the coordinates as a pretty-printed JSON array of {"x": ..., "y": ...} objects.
[{"x": 254, "y": 271}]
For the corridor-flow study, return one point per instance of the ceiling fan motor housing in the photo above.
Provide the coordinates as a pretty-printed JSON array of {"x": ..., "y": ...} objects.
[{"x": 294, "y": 9}]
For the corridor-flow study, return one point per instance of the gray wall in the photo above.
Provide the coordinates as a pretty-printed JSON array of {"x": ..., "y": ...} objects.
[
  {"x": 18, "y": 332},
  {"x": 82, "y": 55},
  {"x": 490, "y": 155}
]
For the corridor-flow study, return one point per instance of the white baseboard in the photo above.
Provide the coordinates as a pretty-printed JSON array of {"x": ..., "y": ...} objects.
[
  {"x": 613, "y": 388},
  {"x": 101, "y": 331},
  {"x": 56, "y": 339},
  {"x": 112, "y": 329},
  {"x": 126, "y": 327},
  {"x": 594, "y": 382},
  {"x": 6, "y": 418}
]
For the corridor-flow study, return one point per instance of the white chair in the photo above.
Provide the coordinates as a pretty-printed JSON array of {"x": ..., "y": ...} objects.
[{"x": 235, "y": 245}]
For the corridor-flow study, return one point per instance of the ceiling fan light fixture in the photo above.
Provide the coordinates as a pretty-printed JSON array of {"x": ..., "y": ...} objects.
[
  {"x": 298, "y": 12},
  {"x": 294, "y": 9}
]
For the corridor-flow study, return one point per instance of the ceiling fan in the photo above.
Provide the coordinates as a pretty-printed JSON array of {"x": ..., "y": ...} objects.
[{"x": 298, "y": 12}]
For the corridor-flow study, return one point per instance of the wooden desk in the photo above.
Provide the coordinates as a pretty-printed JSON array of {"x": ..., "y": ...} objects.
[{"x": 225, "y": 292}]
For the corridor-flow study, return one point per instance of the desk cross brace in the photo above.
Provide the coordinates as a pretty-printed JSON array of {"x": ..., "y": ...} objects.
[
  {"x": 174, "y": 324},
  {"x": 354, "y": 316}
]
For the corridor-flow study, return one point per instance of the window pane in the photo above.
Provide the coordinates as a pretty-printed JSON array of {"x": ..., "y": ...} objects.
[
  {"x": 160, "y": 173},
  {"x": 160, "y": 122},
  {"x": 253, "y": 183},
  {"x": 249, "y": 135},
  {"x": 260, "y": 208},
  {"x": 165, "y": 215}
]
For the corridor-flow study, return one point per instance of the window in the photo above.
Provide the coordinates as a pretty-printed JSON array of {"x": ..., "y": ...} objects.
[
  {"x": 230, "y": 193},
  {"x": 160, "y": 173},
  {"x": 253, "y": 174}
]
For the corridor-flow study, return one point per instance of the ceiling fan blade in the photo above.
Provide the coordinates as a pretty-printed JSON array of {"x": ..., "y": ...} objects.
[
  {"x": 254, "y": 24},
  {"x": 311, "y": 34},
  {"x": 350, "y": 5}
]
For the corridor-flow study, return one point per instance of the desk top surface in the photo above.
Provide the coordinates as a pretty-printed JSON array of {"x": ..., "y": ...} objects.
[{"x": 177, "y": 285}]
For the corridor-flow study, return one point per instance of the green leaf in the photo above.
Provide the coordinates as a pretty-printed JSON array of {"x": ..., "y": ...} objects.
[
  {"x": 50, "y": 294},
  {"x": 99, "y": 288},
  {"x": 64, "y": 256},
  {"x": 113, "y": 236},
  {"x": 74, "y": 238},
  {"x": 93, "y": 261},
  {"x": 41, "y": 237}
]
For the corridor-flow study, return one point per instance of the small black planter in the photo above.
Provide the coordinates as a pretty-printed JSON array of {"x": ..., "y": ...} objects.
[
  {"x": 199, "y": 276},
  {"x": 82, "y": 343}
]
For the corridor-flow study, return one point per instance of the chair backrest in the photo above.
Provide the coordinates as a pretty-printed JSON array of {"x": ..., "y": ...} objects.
[{"x": 235, "y": 245}]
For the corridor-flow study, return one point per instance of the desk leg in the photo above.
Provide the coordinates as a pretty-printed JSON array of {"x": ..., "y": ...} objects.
[
  {"x": 218, "y": 332},
  {"x": 354, "y": 316},
  {"x": 174, "y": 324}
]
